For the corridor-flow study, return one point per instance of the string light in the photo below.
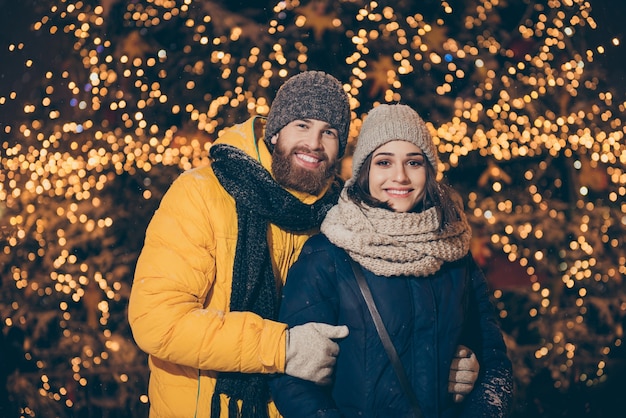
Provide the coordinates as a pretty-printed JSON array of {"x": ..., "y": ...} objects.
[{"x": 132, "y": 104}]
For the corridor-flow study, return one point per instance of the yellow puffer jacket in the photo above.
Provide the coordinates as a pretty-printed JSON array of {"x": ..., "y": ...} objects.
[{"x": 179, "y": 303}]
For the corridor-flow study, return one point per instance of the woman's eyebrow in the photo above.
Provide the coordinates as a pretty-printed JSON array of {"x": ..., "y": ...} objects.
[{"x": 389, "y": 153}]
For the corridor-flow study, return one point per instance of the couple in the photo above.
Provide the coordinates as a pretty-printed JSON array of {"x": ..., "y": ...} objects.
[{"x": 206, "y": 306}]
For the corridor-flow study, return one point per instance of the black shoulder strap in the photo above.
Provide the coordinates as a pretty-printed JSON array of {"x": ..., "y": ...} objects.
[
  {"x": 384, "y": 336},
  {"x": 468, "y": 333}
]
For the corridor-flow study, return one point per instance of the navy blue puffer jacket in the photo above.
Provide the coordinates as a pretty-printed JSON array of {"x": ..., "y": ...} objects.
[{"x": 425, "y": 318}]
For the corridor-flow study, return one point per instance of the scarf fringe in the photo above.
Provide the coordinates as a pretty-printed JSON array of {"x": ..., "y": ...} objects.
[
  {"x": 248, "y": 409},
  {"x": 216, "y": 407}
]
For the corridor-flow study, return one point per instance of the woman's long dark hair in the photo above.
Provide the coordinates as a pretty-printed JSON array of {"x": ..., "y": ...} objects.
[{"x": 436, "y": 194}]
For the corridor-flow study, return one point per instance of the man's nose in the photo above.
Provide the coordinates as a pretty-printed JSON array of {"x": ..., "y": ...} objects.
[{"x": 314, "y": 139}]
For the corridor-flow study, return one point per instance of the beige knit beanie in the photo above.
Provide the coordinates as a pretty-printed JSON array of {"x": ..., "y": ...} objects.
[{"x": 386, "y": 123}]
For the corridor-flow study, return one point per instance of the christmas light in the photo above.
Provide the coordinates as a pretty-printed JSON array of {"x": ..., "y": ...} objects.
[{"x": 136, "y": 92}]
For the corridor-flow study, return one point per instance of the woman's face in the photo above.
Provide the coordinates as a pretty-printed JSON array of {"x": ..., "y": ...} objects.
[{"x": 398, "y": 175}]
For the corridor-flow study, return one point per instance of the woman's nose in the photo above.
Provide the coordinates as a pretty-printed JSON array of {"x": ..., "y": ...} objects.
[{"x": 400, "y": 174}]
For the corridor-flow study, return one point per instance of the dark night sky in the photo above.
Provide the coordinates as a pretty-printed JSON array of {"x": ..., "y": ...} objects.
[{"x": 611, "y": 18}]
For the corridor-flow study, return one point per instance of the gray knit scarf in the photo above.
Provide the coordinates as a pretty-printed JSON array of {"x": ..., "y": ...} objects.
[
  {"x": 259, "y": 200},
  {"x": 389, "y": 243}
]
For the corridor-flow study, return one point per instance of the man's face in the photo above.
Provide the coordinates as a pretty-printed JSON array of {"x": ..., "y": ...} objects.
[{"x": 305, "y": 155}]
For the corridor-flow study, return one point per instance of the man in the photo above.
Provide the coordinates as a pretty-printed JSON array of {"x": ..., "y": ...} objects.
[{"x": 204, "y": 299}]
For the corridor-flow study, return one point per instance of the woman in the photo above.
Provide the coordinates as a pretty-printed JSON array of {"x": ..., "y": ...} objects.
[{"x": 410, "y": 238}]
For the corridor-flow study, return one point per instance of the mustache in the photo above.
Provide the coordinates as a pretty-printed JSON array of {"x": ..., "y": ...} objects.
[{"x": 321, "y": 155}]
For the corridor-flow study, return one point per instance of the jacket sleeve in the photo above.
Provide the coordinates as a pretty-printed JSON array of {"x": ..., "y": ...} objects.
[
  {"x": 175, "y": 276},
  {"x": 493, "y": 391},
  {"x": 309, "y": 295}
]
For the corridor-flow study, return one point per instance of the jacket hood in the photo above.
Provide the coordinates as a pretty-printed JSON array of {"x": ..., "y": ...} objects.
[{"x": 248, "y": 139}]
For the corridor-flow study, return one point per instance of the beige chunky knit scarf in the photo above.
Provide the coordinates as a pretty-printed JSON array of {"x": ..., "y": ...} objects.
[{"x": 396, "y": 244}]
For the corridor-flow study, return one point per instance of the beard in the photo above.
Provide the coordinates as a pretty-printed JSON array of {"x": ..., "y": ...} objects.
[{"x": 290, "y": 175}]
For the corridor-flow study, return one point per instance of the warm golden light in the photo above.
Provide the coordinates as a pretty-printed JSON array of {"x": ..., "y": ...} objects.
[{"x": 522, "y": 117}]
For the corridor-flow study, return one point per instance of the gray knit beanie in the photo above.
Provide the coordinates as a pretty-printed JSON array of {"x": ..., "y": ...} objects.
[
  {"x": 310, "y": 95},
  {"x": 386, "y": 123}
]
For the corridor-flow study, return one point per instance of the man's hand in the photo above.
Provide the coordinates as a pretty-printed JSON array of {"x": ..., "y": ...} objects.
[
  {"x": 311, "y": 351},
  {"x": 463, "y": 373}
]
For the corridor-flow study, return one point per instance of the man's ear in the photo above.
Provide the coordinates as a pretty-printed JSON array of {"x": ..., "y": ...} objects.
[{"x": 274, "y": 139}]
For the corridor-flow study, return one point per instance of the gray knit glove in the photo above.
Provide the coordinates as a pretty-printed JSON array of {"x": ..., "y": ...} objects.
[
  {"x": 463, "y": 373},
  {"x": 311, "y": 352}
]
